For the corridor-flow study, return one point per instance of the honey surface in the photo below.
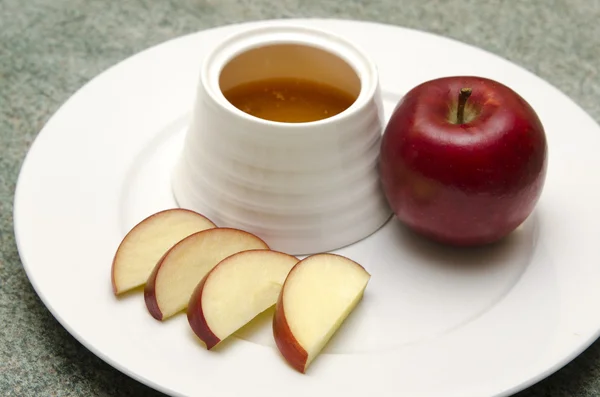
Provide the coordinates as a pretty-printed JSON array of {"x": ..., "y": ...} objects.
[{"x": 289, "y": 100}]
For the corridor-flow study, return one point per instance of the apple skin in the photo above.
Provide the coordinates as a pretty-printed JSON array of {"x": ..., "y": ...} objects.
[
  {"x": 150, "y": 291},
  {"x": 287, "y": 344},
  {"x": 196, "y": 319},
  {"x": 463, "y": 184}
]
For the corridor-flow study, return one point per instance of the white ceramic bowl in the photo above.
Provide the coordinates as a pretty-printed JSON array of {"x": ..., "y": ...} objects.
[{"x": 302, "y": 187}]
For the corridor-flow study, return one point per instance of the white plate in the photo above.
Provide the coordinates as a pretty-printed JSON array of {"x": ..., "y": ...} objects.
[{"x": 434, "y": 321}]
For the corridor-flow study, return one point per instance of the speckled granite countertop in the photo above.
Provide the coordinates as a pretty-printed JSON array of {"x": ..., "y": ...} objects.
[{"x": 50, "y": 48}]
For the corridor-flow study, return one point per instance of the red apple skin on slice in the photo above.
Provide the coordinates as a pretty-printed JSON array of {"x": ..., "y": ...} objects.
[
  {"x": 235, "y": 291},
  {"x": 288, "y": 346},
  {"x": 318, "y": 295},
  {"x": 197, "y": 321},
  {"x": 144, "y": 245},
  {"x": 180, "y": 270}
]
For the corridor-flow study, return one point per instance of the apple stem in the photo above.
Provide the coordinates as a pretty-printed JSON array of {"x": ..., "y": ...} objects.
[{"x": 464, "y": 94}]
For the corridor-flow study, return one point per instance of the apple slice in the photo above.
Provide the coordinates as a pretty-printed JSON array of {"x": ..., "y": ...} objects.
[
  {"x": 317, "y": 296},
  {"x": 147, "y": 242},
  {"x": 235, "y": 291},
  {"x": 179, "y": 271}
]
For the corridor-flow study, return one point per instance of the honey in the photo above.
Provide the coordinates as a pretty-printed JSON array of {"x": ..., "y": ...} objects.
[{"x": 289, "y": 100}]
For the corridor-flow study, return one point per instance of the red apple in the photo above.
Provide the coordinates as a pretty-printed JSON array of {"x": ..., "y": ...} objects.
[{"x": 463, "y": 160}]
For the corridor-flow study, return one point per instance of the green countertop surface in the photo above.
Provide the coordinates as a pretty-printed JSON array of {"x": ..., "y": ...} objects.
[{"x": 51, "y": 48}]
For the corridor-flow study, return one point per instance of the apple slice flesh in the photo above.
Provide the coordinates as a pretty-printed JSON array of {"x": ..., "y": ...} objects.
[
  {"x": 147, "y": 242},
  {"x": 235, "y": 291},
  {"x": 179, "y": 271},
  {"x": 318, "y": 295}
]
